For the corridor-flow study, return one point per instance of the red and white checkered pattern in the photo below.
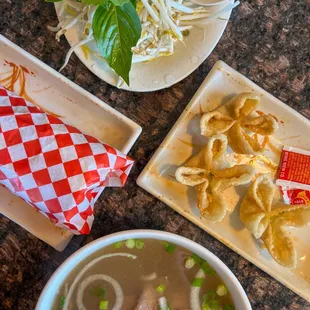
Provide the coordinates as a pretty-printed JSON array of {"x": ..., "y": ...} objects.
[{"x": 53, "y": 166}]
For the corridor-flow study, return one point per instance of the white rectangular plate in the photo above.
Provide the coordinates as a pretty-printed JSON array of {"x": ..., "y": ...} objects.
[
  {"x": 76, "y": 107},
  {"x": 184, "y": 140}
]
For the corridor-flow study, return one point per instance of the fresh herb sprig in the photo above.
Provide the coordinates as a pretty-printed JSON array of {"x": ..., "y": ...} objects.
[{"x": 116, "y": 28}]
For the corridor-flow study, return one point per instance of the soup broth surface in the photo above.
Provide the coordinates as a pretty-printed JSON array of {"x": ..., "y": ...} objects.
[{"x": 151, "y": 275}]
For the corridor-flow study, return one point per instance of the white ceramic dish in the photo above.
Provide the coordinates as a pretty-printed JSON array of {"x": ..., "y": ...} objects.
[
  {"x": 165, "y": 71},
  {"x": 47, "y": 296},
  {"x": 77, "y": 107},
  {"x": 184, "y": 140}
]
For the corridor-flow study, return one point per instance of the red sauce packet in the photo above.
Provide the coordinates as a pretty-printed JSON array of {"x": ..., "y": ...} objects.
[
  {"x": 295, "y": 196},
  {"x": 294, "y": 169}
]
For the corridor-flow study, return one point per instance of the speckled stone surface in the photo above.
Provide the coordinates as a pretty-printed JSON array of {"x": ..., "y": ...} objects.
[{"x": 267, "y": 40}]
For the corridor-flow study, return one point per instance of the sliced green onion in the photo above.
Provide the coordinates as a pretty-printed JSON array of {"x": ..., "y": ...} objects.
[
  {"x": 99, "y": 292},
  {"x": 205, "y": 307},
  {"x": 229, "y": 307},
  {"x": 207, "y": 268},
  {"x": 189, "y": 263},
  {"x": 160, "y": 288},
  {"x": 139, "y": 244},
  {"x": 103, "y": 305},
  {"x": 214, "y": 304},
  {"x": 196, "y": 258},
  {"x": 62, "y": 302},
  {"x": 198, "y": 282},
  {"x": 209, "y": 296},
  {"x": 130, "y": 243},
  {"x": 169, "y": 248},
  {"x": 221, "y": 290},
  {"x": 118, "y": 244}
]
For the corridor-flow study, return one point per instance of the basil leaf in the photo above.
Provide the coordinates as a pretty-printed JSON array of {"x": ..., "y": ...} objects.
[
  {"x": 102, "y": 2},
  {"x": 95, "y": 2},
  {"x": 116, "y": 30},
  {"x": 53, "y": 0}
]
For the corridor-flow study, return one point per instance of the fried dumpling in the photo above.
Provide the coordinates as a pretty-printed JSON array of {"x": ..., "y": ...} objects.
[
  {"x": 256, "y": 205},
  {"x": 209, "y": 182},
  {"x": 233, "y": 118},
  {"x": 269, "y": 220}
]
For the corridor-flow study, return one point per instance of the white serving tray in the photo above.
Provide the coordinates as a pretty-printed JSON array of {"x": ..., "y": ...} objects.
[
  {"x": 184, "y": 140},
  {"x": 77, "y": 107}
]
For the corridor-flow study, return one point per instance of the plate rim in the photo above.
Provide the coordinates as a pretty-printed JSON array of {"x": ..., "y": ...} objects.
[{"x": 191, "y": 217}]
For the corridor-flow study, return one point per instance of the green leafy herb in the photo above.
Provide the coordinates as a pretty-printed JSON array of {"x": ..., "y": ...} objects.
[
  {"x": 99, "y": 292},
  {"x": 189, "y": 263},
  {"x": 211, "y": 295},
  {"x": 118, "y": 245},
  {"x": 102, "y": 2},
  {"x": 207, "y": 268},
  {"x": 63, "y": 301},
  {"x": 139, "y": 244},
  {"x": 130, "y": 243},
  {"x": 169, "y": 247},
  {"x": 116, "y": 30},
  {"x": 196, "y": 258},
  {"x": 161, "y": 288},
  {"x": 103, "y": 305},
  {"x": 53, "y": 0},
  {"x": 94, "y": 2},
  {"x": 229, "y": 307},
  {"x": 198, "y": 282},
  {"x": 203, "y": 265},
  {"x": 221, "y": 290},
  {"x": 214, "y": 304}
]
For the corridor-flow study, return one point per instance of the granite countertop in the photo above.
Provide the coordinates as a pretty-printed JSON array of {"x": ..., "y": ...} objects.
[{"x": 267, "y": 40}]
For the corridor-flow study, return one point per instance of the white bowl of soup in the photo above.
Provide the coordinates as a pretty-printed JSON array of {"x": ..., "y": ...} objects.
[{"x": 143, "y": 270}]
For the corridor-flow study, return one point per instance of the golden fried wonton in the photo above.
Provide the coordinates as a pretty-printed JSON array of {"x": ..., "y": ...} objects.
[
  {"x": 269, "y": 220},
  {"x": 209, "y": 182},
  {"x": 233, "y": 118}
]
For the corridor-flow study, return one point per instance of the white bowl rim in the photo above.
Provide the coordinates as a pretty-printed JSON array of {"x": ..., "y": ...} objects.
[{"x": 239, "y": 296}]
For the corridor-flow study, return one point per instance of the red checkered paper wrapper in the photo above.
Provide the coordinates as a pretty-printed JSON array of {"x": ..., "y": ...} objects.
[{"x": 54, "y": 167}]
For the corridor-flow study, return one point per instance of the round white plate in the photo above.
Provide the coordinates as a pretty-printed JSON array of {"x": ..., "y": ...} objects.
[{"x": 159, "y": 73}]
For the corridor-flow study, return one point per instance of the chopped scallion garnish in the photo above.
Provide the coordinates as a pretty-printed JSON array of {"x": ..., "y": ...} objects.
[
  {"x": 139, "y": 244},
  {"x": 103, "y": 305},
  {"x": 99, "y": 292},
  {"x": 206, "y": 307},
  {"x": 170, "y": 248},
  {"x": 118, "y": 244},
  {"x": 189, "y": 263},
  {"x": 207, "y": 268},
  {"x": 196, "y": 258},
  {"x": 209, "y": 296},
  {"x": 130, "y": 243},
  {"x": 214, "y": 304},
  {"x": 161, "y": 288},
  {"x": 63, "y": 301},
  {"x": 198, "y": 282},
  {"x": 211, "y": 305},
  {"x": 221, "y": 290}
]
